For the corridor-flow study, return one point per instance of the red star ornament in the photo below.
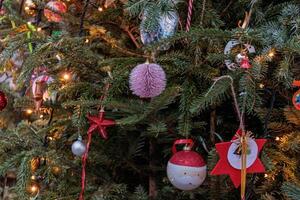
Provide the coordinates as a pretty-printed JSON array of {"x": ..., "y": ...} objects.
[
  {"x": 224, "y": 167},
  {"x": 100, "y": 124}
]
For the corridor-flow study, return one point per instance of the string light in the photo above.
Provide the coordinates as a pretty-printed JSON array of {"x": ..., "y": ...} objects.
[
  {"x": 33, "y": 177},
  {"x": 41, "y": 116},
  {"x": 66, "y": 76},
  {"x": 271, "y": 53},
  {"x": 87, "y": 40},
  {"x": 34, "y": 188},
  {"x": 266, "y": 175},
  {"x": 29, "y": 111},
  {"x": 58, "y": 57},
  {"x": 39, "y": 29},
  {"x": 50, "y": 138},
  {"x": 100, "y": 9},
  {"x": 261, "y": 85},
  {"x": 56, "y": 170},
  {"x": 27, "y": 8},
  {"x": 277, "y": 138}
]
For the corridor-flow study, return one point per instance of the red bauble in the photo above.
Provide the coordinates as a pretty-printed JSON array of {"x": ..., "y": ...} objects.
[
  {"x": 186, "y": 169},
  {"x": 3, "y": 101},
  {"x": 57, "y": 6},
  {"x": 296, "y": 97}
]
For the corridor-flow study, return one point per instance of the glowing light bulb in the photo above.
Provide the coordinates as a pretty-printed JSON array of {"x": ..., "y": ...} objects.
[
  {"x": 66, "y": 76},
  {"x": 261, "y": 85},
  {"x": 277, "y": 138},
  {"x": 33, "y": 177},
  {"x": 39, "y": 29},
  {"x": 57, "y": 56},
  {"x": 29, "y": 111},
  {"x": 100, "y": 9},
  {"x": 266, "y": 175},
  {"x": 29, "y": 23},
  {"x": 271, "y": 54},
  {"x": 41, "y": 116},
  {"x": 34, "y": 188},
  {"x": 27, "y": 8},
  {"x": 87, "y": 40}
]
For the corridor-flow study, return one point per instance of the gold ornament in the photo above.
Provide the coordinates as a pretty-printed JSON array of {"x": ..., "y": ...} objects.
[{"x": 34, "y": 164}]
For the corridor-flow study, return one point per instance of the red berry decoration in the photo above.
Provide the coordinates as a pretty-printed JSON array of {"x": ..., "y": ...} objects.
[
  {"x": 58, "y": 7},
  {"x": 3, "y": 101},
  {"x": 186, "y": 169}
]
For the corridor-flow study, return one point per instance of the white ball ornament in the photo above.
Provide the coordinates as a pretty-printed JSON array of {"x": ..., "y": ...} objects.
[
  {"x": 78, "y": 147},
  {"x": 186, "y": 169}
]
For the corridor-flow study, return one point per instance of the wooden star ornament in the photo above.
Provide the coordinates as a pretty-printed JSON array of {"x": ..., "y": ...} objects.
[
  {"x": 230, "y": 159},
  {"x": 100, "y": 124}
]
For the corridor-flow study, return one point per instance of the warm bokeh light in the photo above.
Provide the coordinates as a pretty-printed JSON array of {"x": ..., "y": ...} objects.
[
  {"x": 100, "y": 9},
  {"x": 66, "y": 76},
  {"x": 261, "y": 86},
  {"x": 277, "y": 138},
  {"x": 266, "y": 175},
  {"x": 56, "y": 170},
  {"x": 34, "y": 188},
  {"x": 29, "y": 111}
]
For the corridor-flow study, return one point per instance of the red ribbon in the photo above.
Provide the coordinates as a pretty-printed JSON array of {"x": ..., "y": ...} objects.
[
  {"x": 85, "y": 156},
  {"x": 84, "y": 159}
]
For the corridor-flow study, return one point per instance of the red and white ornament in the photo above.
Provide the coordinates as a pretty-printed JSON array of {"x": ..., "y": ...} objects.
[
  {"x": 3, "y": 100},
  {"x": 39, "y": 89},
  {"x": 58, "y": 7},
  {"x": 186, "y": 169},
  {"x": 241, "y": 59},
  {"x": 230, "y": 161},
  {"x": 296, "y": 96}
]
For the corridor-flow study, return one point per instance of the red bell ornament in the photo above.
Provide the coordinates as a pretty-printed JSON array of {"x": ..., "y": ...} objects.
[
  {"x": 54, "y": 9},
  {"x": 3, "y": 101},
  {"x": 245, "y": 64},
  {"x": 186, "y": 169}
]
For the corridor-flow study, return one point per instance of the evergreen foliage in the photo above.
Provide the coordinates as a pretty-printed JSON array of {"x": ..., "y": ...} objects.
[{"x": 100, "y": 48}]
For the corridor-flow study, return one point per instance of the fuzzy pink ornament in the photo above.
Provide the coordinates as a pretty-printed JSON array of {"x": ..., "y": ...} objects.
[{"x": 147, "y": 80}]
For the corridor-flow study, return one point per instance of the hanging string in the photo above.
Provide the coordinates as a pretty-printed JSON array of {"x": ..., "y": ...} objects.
[
  {"x": 85, "y": 156},
  {"x": 243, "y": 138},
  {"x": 233, "y": 96}
]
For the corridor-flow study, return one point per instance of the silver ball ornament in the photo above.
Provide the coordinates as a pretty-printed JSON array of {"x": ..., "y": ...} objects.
[{"x": 78, "y": 147}]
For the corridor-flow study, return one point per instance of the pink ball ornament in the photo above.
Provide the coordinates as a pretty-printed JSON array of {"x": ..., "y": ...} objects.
[
  {"x": 186, "y": 169},
  {"x": 147, "y": 80},
  {"x": 57, "y": 6}
]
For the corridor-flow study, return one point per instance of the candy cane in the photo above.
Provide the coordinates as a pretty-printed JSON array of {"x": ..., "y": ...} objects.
[{"x": 189, "y": 17}]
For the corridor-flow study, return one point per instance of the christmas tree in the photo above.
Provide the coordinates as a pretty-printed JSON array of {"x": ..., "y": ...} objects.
[{"x": 95, "y": 96}]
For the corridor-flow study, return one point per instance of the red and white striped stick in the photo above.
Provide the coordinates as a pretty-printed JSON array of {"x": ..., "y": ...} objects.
[{"x": 189, "y": 17}]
